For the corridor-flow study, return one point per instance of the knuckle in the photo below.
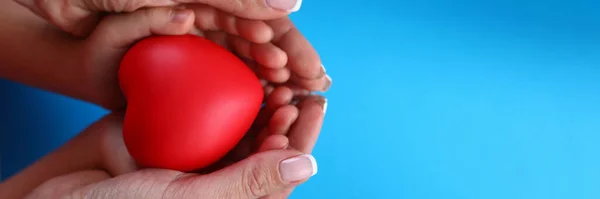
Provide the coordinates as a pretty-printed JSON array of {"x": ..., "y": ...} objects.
[
  {"x": 61, "y": 13},
  {"x": 130, "y": 6},
  {"x": 122, "y": 5},
  {"x": 255, "y": 181},
  {"x": 239, "y": 7}
]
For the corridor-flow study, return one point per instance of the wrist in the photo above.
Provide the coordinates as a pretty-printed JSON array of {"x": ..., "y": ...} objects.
[{"x": 37, "y": 54}]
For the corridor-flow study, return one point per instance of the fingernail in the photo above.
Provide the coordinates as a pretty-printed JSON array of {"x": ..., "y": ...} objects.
[
  {"x": 286, "y": 5},
  {"x": 269, "y": 89},
  {"x": 321, "y": 101},
  {"x": 263, "y": 82},
  {"x": 180, "y": 16},
  {"x": 327, "y": 83},
  {"x": 323, "y": 69},
  {"x": 325, "y": 106},
  {"x": 298, "y": 168}
]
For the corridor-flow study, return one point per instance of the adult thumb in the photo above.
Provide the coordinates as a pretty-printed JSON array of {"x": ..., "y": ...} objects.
[
  {"x": 259, "y": 175},
  {"x": 253, "y": 9},
  {"x": 79, "y": 17}
]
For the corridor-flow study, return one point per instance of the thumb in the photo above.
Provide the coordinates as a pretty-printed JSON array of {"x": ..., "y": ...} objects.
[
  {"x": 253, "y": 9},
  {"x": 80, "y": 16},
  {"x": 257, "y": 176}
]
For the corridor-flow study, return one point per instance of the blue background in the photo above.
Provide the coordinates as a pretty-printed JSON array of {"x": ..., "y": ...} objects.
[{"x": 436, "y": 99}]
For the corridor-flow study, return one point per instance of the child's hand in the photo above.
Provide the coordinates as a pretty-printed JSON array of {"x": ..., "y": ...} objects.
[
  {"x": 103, "y": 50},
  {"x": 288, "y": 57},
  {"x": 96, "y": 163}
]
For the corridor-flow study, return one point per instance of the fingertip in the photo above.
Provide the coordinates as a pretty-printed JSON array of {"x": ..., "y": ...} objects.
[
  {"x": 254, "y": 30},
  {"x": 279, "y": 97},
  {"x": 279, "y": 75},
  {"x": 283, "y": 118},
  {"x": 269, "y": 55},
  {"x": 274, "y": 142}
]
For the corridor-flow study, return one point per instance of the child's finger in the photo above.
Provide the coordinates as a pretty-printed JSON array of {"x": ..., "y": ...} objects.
[
  {"x": 303, "y": 59},
  {"x": 278, "y": 75},
  {"x": 209, "y": 18},
  {"x": 268, "y": 55}
]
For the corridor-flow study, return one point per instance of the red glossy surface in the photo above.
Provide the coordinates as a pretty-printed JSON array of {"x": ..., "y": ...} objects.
[{"x": 190, "y": 101}]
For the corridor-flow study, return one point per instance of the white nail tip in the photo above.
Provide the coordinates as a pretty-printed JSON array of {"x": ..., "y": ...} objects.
[
  {"x": 313, "y": 162},
  {"x": 297, "y": 6},
  {"x": 325, "y": 107}
]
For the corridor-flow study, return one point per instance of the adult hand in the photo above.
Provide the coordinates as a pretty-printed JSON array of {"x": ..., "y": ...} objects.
[
  {"x": 288, "y": 59},
  {"x": 271, "y": 160},
  {"x": 104, "y": 49},
  {"x": 79, "y": 17}
]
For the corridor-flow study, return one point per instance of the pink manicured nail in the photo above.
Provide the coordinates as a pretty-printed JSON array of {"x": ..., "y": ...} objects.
[{"x": 298, "y": 168}]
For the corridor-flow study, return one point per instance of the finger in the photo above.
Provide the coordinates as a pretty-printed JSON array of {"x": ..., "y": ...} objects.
[
  {"x": 268, "y": 61},
  {"x": 303, "y": 60},
  {"x": 281, "y": 121},
  {"x": 265, "y": 54},
  {"x": 79, "y": 17},
  {"x": 253, "y": 9},
  {"x": 274, "y": 142},
  {"x": 208, "y": 18},
  {"x": 280, "y": 96},
  {"x": 298, "y": 93},
  {"x": 240, "y": 46},
  {"x": 244, "y": 149},
  {"x": 217, "y": 37},
  {"x": 116, "y": 158},
  {"x": 259, "y": 175},
  {"x": 252, "y": 54},
  {"x": 117, "y": 33},
  {"x": 268, "y": 55},
  {"x": 279, "y": 75},
  {"x": 305, "y": 131}
]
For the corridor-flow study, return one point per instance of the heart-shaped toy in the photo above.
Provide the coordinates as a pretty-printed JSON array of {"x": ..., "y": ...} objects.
[{"x": 189, "y": 101}]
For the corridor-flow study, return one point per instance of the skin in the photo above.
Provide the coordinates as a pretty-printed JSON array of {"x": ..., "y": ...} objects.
[
  {"x": 80, "y": 16},
  {"x": 272, "y": 46},
  {"x": 87, "y": 79},
  {"x": 93, "y": 62},
  {"x": 96, "y": 162}
]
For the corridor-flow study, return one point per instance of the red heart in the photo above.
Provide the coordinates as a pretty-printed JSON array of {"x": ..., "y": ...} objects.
[{"x": 190, "y": 101}]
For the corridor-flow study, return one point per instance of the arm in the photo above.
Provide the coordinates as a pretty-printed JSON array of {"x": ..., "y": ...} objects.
[
  {"x": 36, "y": 54},
  {"x": 84, "y": 152}
]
